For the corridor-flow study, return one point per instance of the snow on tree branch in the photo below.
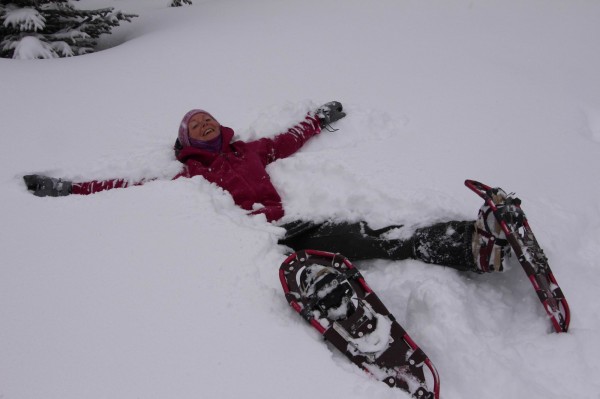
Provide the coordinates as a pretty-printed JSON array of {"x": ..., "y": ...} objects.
[
  {"x": 31, "y": 47},
  {"x": 53, "y": 28},
  {"x": 24, "y": 19},
  {"x": 179, "y": 3}
]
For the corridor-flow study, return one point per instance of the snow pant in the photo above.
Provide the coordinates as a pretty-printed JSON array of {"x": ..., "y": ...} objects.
[{"x": 447, "y": 244}]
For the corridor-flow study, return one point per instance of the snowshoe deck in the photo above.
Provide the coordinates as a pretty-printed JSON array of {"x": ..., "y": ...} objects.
[
  {"x": 519, "y": 235},
  {"x": 331, "y": 294}
]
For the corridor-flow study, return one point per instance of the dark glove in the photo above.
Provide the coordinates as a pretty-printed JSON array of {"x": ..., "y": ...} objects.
[
  {"x": 47, "y": 186},
  {"x": 330, "y": 112}
]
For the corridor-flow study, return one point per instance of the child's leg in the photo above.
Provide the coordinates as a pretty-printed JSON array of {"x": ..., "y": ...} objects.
[{"x": 356, "y": 241}]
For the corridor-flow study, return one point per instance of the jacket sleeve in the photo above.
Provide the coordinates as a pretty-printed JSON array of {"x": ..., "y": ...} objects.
[
  {"x": 285, "y": 144},
  {"x": 95, "y": 186}
]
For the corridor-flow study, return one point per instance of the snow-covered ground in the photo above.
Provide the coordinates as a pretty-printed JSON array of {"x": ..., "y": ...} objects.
[{"x": 168, "y": 290}]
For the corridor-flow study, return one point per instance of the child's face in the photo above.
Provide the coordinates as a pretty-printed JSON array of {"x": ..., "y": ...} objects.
[{"x": 203, "y": 127}]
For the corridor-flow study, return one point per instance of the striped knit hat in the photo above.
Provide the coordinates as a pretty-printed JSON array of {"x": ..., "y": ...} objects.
[{"x": 184, "y": 138}]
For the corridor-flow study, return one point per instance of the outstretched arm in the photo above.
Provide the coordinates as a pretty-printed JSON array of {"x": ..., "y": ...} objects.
[
  {"x": 285, "y": 144},
  {"x": 43, "y": 186},
  {"x": 96, "y": 186}
]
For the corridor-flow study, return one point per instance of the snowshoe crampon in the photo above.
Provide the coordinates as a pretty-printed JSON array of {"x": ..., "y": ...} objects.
[
  {"x": 528, "y": 251},
  {"x": 331, "y": 294}
]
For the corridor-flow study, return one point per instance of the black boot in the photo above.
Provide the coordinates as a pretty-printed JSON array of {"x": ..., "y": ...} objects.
[{"x": 448, "y": 244}]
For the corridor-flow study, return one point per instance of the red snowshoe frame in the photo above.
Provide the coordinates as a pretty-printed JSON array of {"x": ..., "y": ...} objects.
[
  {"x": 531, "y": 257},
  {"x": 410, "y": 359}
]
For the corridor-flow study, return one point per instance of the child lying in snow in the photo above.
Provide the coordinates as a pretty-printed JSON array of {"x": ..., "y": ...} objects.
[{"x": 205, "y": 149}]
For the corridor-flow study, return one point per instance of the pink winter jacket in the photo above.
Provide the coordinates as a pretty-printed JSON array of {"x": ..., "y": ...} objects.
[{"x": 239, "y": 168}]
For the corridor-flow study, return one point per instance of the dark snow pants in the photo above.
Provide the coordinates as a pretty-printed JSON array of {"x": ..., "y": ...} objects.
[{"x": 447, "y": 244}]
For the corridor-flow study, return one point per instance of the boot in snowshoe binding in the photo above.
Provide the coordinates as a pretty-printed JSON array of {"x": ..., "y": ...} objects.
[
  {"x": 518, "y": 234},
  {"x": 490, "y": 246}
]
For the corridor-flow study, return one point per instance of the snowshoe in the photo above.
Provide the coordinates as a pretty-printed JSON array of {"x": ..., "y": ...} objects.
[
  {"x": 331, "y": 294},
  {"x": 528, "y": 251}
]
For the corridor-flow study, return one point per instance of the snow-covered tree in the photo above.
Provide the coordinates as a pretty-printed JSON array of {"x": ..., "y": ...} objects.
[
  {"x": 179, "y": 3},
  {"x": 32, "y": 29}
]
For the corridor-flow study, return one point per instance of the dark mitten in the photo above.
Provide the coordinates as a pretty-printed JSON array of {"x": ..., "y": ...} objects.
[
  {"x": 43, "y": 186},
  {"x": 330, "y": 112}
]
